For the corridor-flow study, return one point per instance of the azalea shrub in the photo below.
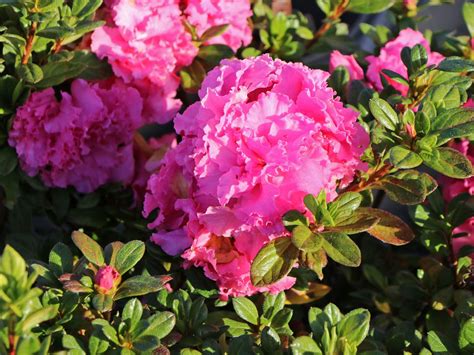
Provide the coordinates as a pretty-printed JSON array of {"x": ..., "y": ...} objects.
[{"x": 235, "y": 177}]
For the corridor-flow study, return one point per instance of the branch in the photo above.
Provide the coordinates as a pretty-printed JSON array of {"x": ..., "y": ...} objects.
[{"x": 29, "y": 43}]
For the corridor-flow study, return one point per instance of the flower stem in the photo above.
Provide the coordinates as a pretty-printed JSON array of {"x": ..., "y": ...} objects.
[
  {"x": 329, "y": 21},
  {"x": 29, "y": 43}
]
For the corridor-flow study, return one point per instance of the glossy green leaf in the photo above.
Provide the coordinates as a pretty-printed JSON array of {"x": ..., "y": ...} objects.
[
  {"x": 448, "y": 162},
  {"x": 390, "y": 229},
  {"x": 305, "y": 240},
  {"x": 129, "y": 255},
  {"x": 369, "y": 6},
  {"x": 341, "y": 248},
  {"x": 91, "y": 250},
  {"x": 273, "y": 262},
  {"x": 403, "y": 158},
  {"x": 384, "y": 113},
  {"x": 245, "y": 309}
]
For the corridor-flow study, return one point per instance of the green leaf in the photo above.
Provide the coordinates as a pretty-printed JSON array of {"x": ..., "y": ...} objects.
[
  {"x": 344, "y": 206},
  {"x": 241, "y": 345},
  {"x": 192, "y": 76},
  {"x": 213, "y": 32},
  {"x": 270, "y": 340},
  {"x": 311, "y": 204},
  {"x": 279, "y": 25},
  {"x": 12, "y": 264},
  {"x": 333, "y": 313},
  {"x": 159, "y": 325},
  {"x": 304, "y": 33},
  {"x": 97, "y": 344},
  {"x": 414, "y": 58},
  {"x": 451, "y": 118},
  {"x": 466, "y": 336},
  {"x": 354, "y": 326},
  {"x": 341, "y": 248},
  {"x": 84, "y": 8},
  {"x": 403, "y": 191},
  {"x": 456, "y": 64},
  {"x": 60, "y": 259},
  {"x": 282, "y": 318},
  {"x": 129, "y": 255},
  {"x": 384, "y": 113},
  {"x": 273, "y": 262},
  {"x": 315, "y": 261},
  {"x": 403, "y": 158},
  {"x": 30, "y": 73},
  {"x": 110, "y": 252},
  {"x": 272, "y": 304},
  {"x": 395, "y": 77},
  {"x": 318, "y": 320},
  {"x": 390, "y": 229},
  {"x": 435, "y": 341},
  {"x": 140, "y": 285},
  {"x": 448, "y": 162},
  {"x": 245, "y": 309},
  {"x": 35, "y": 318},
  {"x": 198, "y": 313},
  {"x": 91, "y": 250},
  {"x": 214, "y": 53},
  {"x": 27, "y": 344},
  {"x": 468, "y": 15},
  {"x": 357, "y": 223},
  {"x": 102, "y": 303},
  {"x": 132, "y": 313},
  {"x": 305, "y": 240},
  {"x": 305, "y": 345},
  {"x": 8, "y": 161},
  {"x": 369, "y": 6},
  {"x": 55, "y": 73},
  {"x": 325, "y": 5},
  {"x": 339, "y": 79},
  {"x": 293, "y": 218}
]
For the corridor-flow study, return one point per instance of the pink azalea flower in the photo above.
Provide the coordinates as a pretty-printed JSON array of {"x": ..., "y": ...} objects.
[
  {"x": 106, "y": 279},
  {"x": 264, "y": 134},
  {"x": 454, "y": 187},
  {"x": 84, "y": 140},
  {"x": 347, "y": 61},
  {"x": 389, "y": 58},
  {"x": 148, "y": 41},
  {"x": 204, "y": 14}
]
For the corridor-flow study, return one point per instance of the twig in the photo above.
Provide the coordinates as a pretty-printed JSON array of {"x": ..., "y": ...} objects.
[
  {"x": 29, "y": 43},
  {"x": 329, "y": 21}
]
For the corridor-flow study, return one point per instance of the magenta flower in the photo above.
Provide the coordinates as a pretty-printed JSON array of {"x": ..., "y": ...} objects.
[
  {"x": 83, "y": 140},
  {"x": 347, "y": 61},
  {"x": 106, "y": 279},
  {"x": 389, "y": 58},
  {"x": 264, "y": 134}
]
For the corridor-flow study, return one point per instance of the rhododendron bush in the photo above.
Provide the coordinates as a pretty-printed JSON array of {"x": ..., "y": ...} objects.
[{"x": 236, "y": 177}]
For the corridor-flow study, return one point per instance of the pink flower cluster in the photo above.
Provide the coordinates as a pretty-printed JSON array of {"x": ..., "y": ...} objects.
[
  {"x": 389, "y": 58},
  {"x": 146, "y": 42},
  {"x": 264, "y": 134},
  {"x": 84, "y": 140},
  {"x": 454, "y": 187}
]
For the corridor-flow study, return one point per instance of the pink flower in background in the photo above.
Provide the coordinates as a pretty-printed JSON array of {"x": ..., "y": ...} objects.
[
  {"x": 454, "y": 187},
  {"x": 389, "y": 58},
  {"x": 84, "y": 140},
  {"x": 347, "y": 61},
  {"x": 106, "y": 279},
  {"x": 204, "y": 14},
  {"x": 264, "y": 134},
  {"x": 148, "y": 41}
]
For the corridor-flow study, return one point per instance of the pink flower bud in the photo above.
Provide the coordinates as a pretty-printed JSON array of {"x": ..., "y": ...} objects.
[{"x": 106, "y": 279}]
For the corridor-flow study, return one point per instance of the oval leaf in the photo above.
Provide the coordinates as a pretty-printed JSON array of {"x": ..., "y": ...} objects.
[
  {"x": 273, "y": 262},
  {"x": 341, "y": 248},
  {"x": 390, "y": 229},
  {"x": 91, "y": 250}
]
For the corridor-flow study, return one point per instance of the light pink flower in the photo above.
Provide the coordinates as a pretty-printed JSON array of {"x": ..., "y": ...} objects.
[
  {"x": 84, "y": 140},
  {"x": 454, "y": 187},
  {"x": 204, "y": 14},
  {"x": 389, "y": 58},
  {"x": 347, "y": 61},
  {"x": 148, "y": 41},
  {"x": 106, "y": 279},
  {"x": 264, "y": 134}
]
